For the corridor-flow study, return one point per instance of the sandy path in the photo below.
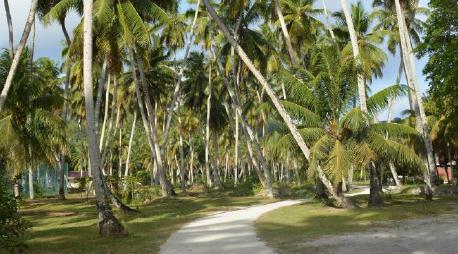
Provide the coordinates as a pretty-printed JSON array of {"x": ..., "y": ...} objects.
[
  {"x": 422, "y": 236},
  {"x": 227, "y": 232}
]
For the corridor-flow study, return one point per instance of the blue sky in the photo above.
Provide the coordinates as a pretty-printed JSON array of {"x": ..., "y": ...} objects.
[{"x": 49, "y": 41}]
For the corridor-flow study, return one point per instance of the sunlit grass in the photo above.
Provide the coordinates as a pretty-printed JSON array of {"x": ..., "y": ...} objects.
[{"x": 284, "y": 228}]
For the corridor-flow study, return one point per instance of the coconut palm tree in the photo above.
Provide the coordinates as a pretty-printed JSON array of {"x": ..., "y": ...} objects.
[
  {"x": 108, "y": 223},
  {"x": 345, "y": 137},
  {"x": 409, "y": 63},
  {"x": 407, "y": 25},
  {"x": 14, "y": 65}
]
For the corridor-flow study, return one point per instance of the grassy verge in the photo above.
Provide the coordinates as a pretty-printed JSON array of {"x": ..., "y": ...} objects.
[
  {"x": 71, "y": 226},
  {"x": 284, "y": 229}
]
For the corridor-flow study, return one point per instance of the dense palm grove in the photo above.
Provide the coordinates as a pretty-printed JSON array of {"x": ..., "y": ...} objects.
[{"x": 151, "y": 102}]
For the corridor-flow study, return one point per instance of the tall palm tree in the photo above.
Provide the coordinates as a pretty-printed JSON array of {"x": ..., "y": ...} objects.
[
  {"x": 108, "y": 223},
  {"x": 409, "y": 63},
  {"x": 17, "y": 56}
]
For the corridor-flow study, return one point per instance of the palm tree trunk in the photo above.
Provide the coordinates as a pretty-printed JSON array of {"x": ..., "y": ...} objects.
[
  {"x": 17, "y": 56},
  {"x": 375, "y": 200},
  {"x": 104, "y": 148},
  {"x": 10, "y": 29},
  {"x": 108, "y": 224},
  {"x": 207, "y": 130},
  {"x": 64, "y": 111},
  {"x": 182, "y": 171},
  {"x": 289, "y": 46},
  {"x": 411, "y": 76},
  {"x": 105, "y": 116},
  {"x": 30, "y": 171},
  {"x": 129, "y": 148},
  {"x": 361, "y": 81},
  {"x": 216, "y": 175},
  {"x": 191, "y": 162},
  {"x": 120, "y": 147},
  {"x": 281, "y": 110},
  {"x": 226, "y": 166},
  {"x": 31, "y": 190},
  {"x": 166, "y": 189},
  {"x": 236, "y": 148},
  {"x": 354, "y": 44},
  {"x": 98, "y": 101},
  {"x": 350, "y": 178}
]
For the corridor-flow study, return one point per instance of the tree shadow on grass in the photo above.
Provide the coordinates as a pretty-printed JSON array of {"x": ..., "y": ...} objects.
[{"x": 77, "y": 232}]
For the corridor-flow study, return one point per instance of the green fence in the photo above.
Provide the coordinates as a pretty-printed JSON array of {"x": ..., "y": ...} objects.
[{"x": 46, "y": 181}]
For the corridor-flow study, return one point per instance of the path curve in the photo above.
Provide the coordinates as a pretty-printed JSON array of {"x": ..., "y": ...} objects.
[{"x": 223, "y": 233}]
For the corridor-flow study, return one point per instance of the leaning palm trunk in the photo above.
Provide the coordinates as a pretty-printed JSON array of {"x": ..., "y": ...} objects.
[
  {"x": 105, "y": 115},
  {"x": 100, "y": 89},
  {"x": 354, "y": 44},
  {"x": 166, "y": 189},
  {"x": 104, "y": 148},
  {"x": 17, "y": 56},
  {"x": 10, "y": 29},
  {"x": 289, "y": 46},
  {"x": 108, "y": 224},
  {"x": 410, "y": 73},
  {"x": 265, "y": 179},
  {"x": 281, "y": 110},
  {"x": 179, "y": 78}
]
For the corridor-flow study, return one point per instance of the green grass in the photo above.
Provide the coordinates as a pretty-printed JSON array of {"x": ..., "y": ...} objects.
[
  {"x": 71, "y": 226},
  {"x": 284, "y": 228}
]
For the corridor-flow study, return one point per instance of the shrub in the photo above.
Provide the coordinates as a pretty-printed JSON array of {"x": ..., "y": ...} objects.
[{"x": 12, "y": 225}]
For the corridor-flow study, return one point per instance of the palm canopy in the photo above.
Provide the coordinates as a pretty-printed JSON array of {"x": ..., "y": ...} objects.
[
  {"x": 385, "y": 15},
  {"x": 339, "y": 135},
  {"x": 372, "y": 57}
]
